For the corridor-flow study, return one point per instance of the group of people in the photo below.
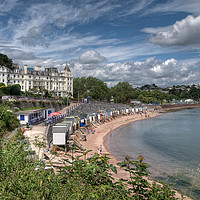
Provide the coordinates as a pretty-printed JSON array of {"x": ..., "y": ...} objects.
[{"x": 100, "y": 150}]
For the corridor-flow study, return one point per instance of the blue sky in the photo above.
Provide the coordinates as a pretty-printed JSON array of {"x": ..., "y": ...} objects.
[{"x": 139, "y": 41}]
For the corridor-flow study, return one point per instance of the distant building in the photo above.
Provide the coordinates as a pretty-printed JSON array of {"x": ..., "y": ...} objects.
[{"x": 59, "y": 83}]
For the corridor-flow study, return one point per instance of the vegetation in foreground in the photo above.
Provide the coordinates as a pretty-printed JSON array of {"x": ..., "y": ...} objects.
[
  {"x": 8, "y": 121},
  {"x": 81, "y": 178}
]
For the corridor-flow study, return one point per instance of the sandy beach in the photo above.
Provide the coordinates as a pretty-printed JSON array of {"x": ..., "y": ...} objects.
[{"x": 100, "y": 138}]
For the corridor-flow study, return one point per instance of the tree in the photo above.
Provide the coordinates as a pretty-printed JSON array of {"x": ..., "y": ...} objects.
[
  {"x": 79, "y": 87},
  {"x": 2, "y": 84},
  {"x": 8, "y": 121},
  {"x": 92, "y": 87},
  {"x": 122, "y": 92},
  {"x": 6, "y": 62},
  {"x": 15, "y": 89}
]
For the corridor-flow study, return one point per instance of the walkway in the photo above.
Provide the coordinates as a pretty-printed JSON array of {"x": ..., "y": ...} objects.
[{"x": 40, "y": 131}]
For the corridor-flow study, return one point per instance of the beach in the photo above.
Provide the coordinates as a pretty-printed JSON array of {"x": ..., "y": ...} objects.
[{"x": 102, "y": 133}]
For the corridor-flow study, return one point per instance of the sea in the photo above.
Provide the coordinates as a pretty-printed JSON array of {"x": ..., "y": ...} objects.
[{"x": 170, "y": 144}]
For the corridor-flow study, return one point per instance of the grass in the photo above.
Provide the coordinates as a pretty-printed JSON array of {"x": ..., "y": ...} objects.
[{"x": 33, "y": 108}]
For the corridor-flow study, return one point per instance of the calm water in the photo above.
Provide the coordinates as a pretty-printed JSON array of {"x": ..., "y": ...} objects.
[{"x": 170, "y": 144}]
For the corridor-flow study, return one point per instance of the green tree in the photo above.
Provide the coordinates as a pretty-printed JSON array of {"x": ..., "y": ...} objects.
[
  {"x": 8, "y": 121},
  {"x": 2, "y": 84},
  {"x": 6, "y": 62},
  {"x": 122, "y": 92},
  {"x": 79, "y": 86},
  {"x": 92, "y": 87},
  {"x": 15, "y": 89}
]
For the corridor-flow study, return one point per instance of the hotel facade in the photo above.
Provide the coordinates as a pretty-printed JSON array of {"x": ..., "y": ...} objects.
[{"x": 33, "y": 78}]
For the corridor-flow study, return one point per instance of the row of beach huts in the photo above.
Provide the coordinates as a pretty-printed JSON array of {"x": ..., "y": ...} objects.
[{"x": 70, "y": 131}]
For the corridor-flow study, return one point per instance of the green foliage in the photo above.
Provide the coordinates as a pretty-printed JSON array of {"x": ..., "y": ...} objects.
[
  {"x": 81, "y": 178},
  {"x": 122, "y": 92},
  {"x": 140, "y": 188},
  {"x": 6, "y": 62},
  {"x": 66, "y": 101},
  {"x": 185, "y": 92},
  {"x": 18, "y": 135},
  {"x": 8, "y": 121},
  {"x": 15, "y": 89},
  {"x": 2, "y": 84},
  {"x": 5, "y": 90},
  {"x": 41, "y": 104},
  {"x": 92, "y": 87}
]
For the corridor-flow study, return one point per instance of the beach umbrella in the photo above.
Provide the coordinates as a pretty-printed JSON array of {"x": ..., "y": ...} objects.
[
  {"x": 54, "y": 114},
  {"x": 58, "y": 113}
]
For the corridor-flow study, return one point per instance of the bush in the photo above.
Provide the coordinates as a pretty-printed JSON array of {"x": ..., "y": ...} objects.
[
  {"x": 89, "y": 178},
  {"x": 8, "y": 120}
]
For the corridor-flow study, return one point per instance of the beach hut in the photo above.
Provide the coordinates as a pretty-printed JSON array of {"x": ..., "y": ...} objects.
[
  {"x": 30, "y": 116},
  {"x": 60, "y": 134}
]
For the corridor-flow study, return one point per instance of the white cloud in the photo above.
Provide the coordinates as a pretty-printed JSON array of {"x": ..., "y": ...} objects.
[
  {"x": 162, "y": 73},
  {"x": 6, "y": 6},
  {"x": 183, "y": 33},
  {"x": 188, "y": 6},
  {"x": 90, "y": 57}
]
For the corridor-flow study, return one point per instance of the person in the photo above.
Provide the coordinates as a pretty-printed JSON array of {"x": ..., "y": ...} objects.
[
  {"x": 85, "y": 139},
  {"x": 101, "y": 149},
  {"x": 98, "y": 152}
]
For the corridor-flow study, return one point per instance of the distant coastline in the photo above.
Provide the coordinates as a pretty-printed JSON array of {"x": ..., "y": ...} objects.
[{"x": 174, "y": 107}]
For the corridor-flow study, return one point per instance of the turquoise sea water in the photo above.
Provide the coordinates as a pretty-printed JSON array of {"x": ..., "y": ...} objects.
[{"x": 170, "y": 144}]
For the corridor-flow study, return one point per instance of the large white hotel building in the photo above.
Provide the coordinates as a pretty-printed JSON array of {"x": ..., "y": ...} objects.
[{"x": 58, "y": 83}]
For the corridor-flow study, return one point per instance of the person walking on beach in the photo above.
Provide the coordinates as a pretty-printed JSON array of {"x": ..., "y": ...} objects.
[
  {"x": 98, "y": 151},
  {"x": 101, "y": 150}
]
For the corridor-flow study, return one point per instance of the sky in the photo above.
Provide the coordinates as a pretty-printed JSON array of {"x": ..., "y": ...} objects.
[{"x": 137, "y": 41}]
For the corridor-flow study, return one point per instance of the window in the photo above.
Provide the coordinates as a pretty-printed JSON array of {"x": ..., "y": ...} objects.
[{"x": 22, "y": 118}]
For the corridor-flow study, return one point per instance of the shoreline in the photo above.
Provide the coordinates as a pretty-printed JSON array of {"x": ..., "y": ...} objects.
[{"x": 101, "y": 138}]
